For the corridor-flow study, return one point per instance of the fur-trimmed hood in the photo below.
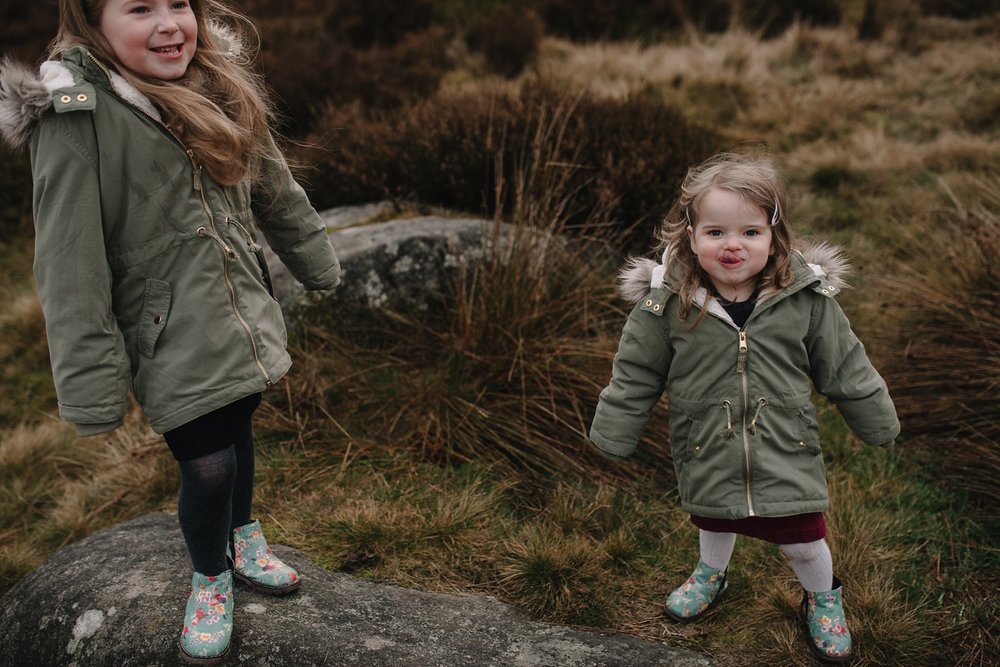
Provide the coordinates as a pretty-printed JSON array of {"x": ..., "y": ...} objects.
[
  {"x": 825, "y": 261},
  {"x": 26, "y": 94}
]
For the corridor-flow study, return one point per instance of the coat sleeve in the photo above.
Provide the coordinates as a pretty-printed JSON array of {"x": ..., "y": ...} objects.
[
  {"x": 842, "y": 372},
  {"x": 87, "y": 352},
  {"x": 638, "y": 377},
  {"x": 293, "y": 228}
]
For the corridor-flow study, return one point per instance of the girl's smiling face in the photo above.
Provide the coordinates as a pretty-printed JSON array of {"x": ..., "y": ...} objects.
[
  {"x": 154, "y": 38},
  {"x": 732, "y": 240}
]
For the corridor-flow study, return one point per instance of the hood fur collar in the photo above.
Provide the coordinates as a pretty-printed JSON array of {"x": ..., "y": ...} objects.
[
  {"x": 824, "y": 261},
  {"x": 25, "y": 95}
]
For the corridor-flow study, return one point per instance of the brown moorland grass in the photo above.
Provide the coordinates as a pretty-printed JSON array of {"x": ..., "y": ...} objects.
[
  {"x": 947, "y": 375},
  {"x": 621, "y": 154},
  {"x": 920, "y": 567},
  {"x": 511, "y": 365}
]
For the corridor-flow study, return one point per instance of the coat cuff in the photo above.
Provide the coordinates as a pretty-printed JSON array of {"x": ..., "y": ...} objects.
[
  {"x": 84, "y": 430},
  {"x": 609, "y": 449}
]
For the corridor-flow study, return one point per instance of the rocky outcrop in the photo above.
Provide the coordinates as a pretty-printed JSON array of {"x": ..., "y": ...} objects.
[
  {"x": 116, "y": 598},
  {"x": 400, "y": 264}
]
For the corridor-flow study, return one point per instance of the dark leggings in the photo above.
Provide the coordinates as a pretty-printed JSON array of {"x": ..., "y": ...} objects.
[{"x": 216, "y": 496}]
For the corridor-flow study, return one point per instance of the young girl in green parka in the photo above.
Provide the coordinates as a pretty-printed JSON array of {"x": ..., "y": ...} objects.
[
  {"x": 739, "y": 324},
  {"x": 154, "y": 168}
]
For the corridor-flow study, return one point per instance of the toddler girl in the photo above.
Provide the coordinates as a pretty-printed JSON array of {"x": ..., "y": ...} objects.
[
  {"x": 740, "y": 325},
  {"x": 154, "y": 168}
]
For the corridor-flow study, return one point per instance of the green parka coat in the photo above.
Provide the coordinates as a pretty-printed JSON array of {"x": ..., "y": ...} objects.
[
  {"x": 743, "y": 430},
  {"x": 148, "y": 270}
]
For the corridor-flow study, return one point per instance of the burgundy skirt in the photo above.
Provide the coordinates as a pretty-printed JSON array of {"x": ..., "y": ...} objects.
[{"x": 794, "y": 529}]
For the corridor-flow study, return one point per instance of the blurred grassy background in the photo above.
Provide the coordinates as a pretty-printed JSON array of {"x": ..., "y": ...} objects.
[{"x": 448, "y": 451}]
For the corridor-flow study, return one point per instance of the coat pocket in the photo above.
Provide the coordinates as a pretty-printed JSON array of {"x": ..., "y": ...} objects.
[
  {"x": 699, "y": 426},
  {"x": 153, "y": 319}
]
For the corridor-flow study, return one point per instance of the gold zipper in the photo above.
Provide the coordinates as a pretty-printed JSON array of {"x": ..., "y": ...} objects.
[
  {"x": 745, "y": 384},
  {"x": 227, "y": 252}
]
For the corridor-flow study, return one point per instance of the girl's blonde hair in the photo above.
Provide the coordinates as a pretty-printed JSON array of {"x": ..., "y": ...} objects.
[
  {"x": 753, "y": 177},
  {"x": 222, "y": 106}
]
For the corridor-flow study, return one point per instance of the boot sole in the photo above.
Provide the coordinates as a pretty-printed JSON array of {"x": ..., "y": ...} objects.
[
  {"x": 266, "y": 590},
  {"x": 198, "y": 660},
  {"x": 700, "y": 615}
]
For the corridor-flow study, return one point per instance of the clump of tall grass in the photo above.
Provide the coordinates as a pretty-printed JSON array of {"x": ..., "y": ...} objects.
[
  {"x": 558, "y": 575},
  {"x": 510, "y": 367},
  {"x": 947, "y": 372}
]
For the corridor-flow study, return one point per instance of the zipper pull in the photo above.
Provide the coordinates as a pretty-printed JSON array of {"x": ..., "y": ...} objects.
[
  {"x": 728, "y": 433},
  {"x": 204, "y": 232},
  {"x": 761, "y": 402},
  {"x": 741, "y": 358},
  {"x": 196, "y": 169},
  {"x": 251, "y": 242}
]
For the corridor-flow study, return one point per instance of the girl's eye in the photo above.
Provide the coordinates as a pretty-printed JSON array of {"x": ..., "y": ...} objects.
[
  {"x": 180, "y": 5},
  {"x": 752, "y": 232},
  {"x": 714, "y": 232}
]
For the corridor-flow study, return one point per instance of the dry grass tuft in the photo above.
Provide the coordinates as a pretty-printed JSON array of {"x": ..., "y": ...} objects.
[
  {"x": 558, "y": 576},
  {"x": 56, "y": 488},
  {"x": 947, "y": 374}
]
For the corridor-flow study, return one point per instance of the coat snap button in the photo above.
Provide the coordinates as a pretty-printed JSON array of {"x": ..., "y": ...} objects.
[
  {"x": 157, "y": 319},
  {"x": 81, "y": 98},
  {"x": 802, "y": 444},
  {"x": 65, "y": 99},
  {"x": 649, "y": 302},
  {"x": 656, "y": 308}
]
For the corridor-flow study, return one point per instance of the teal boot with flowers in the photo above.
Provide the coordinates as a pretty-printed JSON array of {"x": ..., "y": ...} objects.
[
  {"x": 826, "y": 625},
  {"x": 208, "y": 619},
  {"x": 695, "y": 596},
  {"x": 255, "y": 565}
]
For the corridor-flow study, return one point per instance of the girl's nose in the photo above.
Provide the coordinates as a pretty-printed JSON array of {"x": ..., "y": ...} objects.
[{"x": 167, "y": 25}]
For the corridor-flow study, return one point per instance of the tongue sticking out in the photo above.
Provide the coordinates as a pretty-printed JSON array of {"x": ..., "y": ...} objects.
[{"x": 729, "y": 260}]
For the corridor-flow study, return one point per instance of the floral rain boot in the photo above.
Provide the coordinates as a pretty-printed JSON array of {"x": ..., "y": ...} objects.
[
  {"x": 826, "y": 625},
  {"x": 695, "y": 596},
  {"x": 255, "y": 565},
  {"x": 208, "y": 619}
]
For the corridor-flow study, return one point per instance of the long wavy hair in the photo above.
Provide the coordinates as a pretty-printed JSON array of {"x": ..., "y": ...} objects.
[
  {"x": 221, "y": 104},
  {"x": 753, "y": 177}
]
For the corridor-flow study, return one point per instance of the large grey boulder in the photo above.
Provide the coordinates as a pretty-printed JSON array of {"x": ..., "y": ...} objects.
[
  {"x": 117, "y": 597},
  {"x": 392, "y": 262}
]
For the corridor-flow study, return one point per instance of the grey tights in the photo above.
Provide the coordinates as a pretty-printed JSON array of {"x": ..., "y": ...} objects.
[{"x": 216, "y": 496}]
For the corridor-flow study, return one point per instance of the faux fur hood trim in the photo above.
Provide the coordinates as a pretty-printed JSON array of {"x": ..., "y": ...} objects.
[
  {"x": 639, "y": 275},
  {"x": 25, "y": 95}
]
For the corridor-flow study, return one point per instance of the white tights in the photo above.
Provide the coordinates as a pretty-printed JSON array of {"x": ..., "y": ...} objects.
[{"x": 811, "y": 561}]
